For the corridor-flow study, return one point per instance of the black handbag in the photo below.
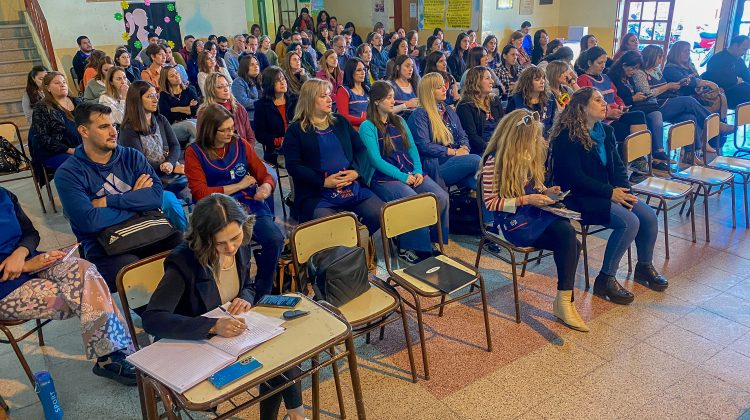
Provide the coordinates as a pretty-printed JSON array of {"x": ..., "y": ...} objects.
[
  {"x": 338, "y": 274},
  {"x": 143, "y": 229},
  {"x": 11, "y": 159},
  {"x": 464, "y": 214}
]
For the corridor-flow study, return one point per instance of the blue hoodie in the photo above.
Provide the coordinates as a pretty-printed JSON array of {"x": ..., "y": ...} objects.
[{"x": 79, "y": 180}]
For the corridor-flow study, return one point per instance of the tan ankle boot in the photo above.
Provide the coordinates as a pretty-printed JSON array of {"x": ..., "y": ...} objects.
[
  {"x": 566, "y": 311},
  {"x": 726, "y": 128}
]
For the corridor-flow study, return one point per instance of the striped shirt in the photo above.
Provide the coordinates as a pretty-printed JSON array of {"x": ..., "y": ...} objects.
[{"x": 491, "y": 197}]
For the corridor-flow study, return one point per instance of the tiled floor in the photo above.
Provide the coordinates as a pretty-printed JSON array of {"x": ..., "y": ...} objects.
[{"x": 683, "y": 353}]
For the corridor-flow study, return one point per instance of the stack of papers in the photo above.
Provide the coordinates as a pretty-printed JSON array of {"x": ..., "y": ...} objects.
[{"x": 182, "y": 364}]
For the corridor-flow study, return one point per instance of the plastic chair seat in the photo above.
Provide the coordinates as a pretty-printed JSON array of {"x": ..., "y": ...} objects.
[
  {"x": 662, "y": 187},
  {"x": 704, "y": 174},
  {"x": 425, "y": 288},
  {"x": 373, "y": 302},
  {"x": 728, "y": 163}
]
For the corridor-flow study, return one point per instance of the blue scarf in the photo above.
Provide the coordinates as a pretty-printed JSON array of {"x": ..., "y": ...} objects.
[{"x": 597, "y": 134}]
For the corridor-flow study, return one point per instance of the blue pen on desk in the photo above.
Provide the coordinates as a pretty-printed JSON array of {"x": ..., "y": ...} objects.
[{"x": 233, "y": 317}]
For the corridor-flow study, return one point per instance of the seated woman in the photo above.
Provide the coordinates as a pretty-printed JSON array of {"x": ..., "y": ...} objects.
[
  {"x": 479, "y": 110},
  {"x": 247, "y": 84},
  {"x": 599, "y": 190},
  {"x": 95, "y": 87},
  {"x": 516, "y": 40},
  {"x": 436, "y": 62},
  {"x": 490, "y": 45},
  {"x": 405, "y": 80},
  {"x": 295, "y": 73},
  {"x": 328, "y": 69},
  {"x": 680, "y": 69},
  {"x": 532, "y": 93},
  {"x": 219, "y": 91},
  {"x": 220, "y": 162},
  {"x": 320, "y": 154},
  {"x": 149, "y": 132},
  {"x": 33, "y": 92},
  {"x": 364, "y": 53},
  {"x": 507, "y": 72},
  {"x": 440, "y": 139},
  {"x": 541, "y": 40},
  {"x": 623, "y": 121},
  {"x": 273, "y": 112},
  {"x": 36, "y": 285},
  {"x": 192, "y": 61},
  {"x": 353, "y": 94},
  {"x": 179, "y": 104},
  {"x": 629, "y": 43},
  {"x": 207, "y": 65},
  {"x": 561, "y": 54},
  {"x": 53, "y": 135},
  {"x": 478, "y": 57},
  {"x": 92, "y": 64},
  {"x": 158, "y": 55},
  {"x": 395, "y": 169},
  {"x": 397, "y": 49},
  {"x": 457, "y": 58},
  {"x": 116, "y": 89},
  {"x": 122, "y": 59},
  {"x": 212, "y": 268},
  {"x": 562, "y": 81},
  {"x": 513, "y": 189}
]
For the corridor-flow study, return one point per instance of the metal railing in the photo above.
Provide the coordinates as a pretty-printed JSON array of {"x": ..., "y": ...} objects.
[{"x": 39, "y": 23}]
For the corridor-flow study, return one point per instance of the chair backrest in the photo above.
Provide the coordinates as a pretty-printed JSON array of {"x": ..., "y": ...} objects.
[
  {"x": 637, "y": 145},
  {"x": 136, "y": 283},
  {"x": 742, "y": 114},
  {"x": 712, "y": 126},
  {"x": 408, "y": 214},
  {"x": 336, "y": 230},
  {"x": 681, "y": 135},
  {"x": 11, "y": 132}
]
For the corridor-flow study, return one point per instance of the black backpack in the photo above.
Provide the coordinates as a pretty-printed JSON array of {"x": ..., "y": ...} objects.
[
  {"x": 338, "y": 274},
  {"x": 464, "y": 213}
]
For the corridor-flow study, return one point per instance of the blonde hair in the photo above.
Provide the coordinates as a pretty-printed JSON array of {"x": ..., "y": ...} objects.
[
  {"x": 426, "y": 94},
  {"x": 305, "y": 109},
  {"x": 209, "y": 95},
  {"x": 109, "y": 86},
  {"x": 520, "y": 152},
  {"x": 554, "y": 70}
]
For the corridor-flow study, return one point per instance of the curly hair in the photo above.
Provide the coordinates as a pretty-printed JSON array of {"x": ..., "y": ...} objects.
[{"x": 573, "y": 118}]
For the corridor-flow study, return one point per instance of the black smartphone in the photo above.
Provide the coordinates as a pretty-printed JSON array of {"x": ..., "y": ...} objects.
[{"x": 276, "y": 301}]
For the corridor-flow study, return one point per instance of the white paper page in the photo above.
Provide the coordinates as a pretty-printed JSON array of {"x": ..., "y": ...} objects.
[
  {"x": 180, "y": 364},
  {"x": 260, "y": 328}
]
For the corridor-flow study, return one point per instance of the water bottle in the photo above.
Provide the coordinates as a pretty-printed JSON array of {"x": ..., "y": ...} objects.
[{"x": 45, "y": 389}]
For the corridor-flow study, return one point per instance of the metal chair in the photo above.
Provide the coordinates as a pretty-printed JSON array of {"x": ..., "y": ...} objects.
[
  {"x": 408, "y": 214},
  {"x": 704, "y": 178},
  {"x": 741, "y": 118},
  {"x": 638, "y": 145},
  {"x": 11, "y": 132},
  {"x": 735, "y": 165},
  {"x": 13, "y": 341},
  {"x": 512, "y": 250}
]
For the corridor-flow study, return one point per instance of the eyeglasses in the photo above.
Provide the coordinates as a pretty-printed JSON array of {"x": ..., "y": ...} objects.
[
  {"x": 529, "y": 118},
  {"x": 152, "y": 96}
]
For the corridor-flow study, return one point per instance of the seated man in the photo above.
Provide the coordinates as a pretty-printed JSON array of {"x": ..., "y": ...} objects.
[
  {"x": 82, "y": 55},
  {"x": 339, "y": 45},
  {"x": 251, "y": 48},
  {"x": 143, "y": 57},
  {"x": 286, "y": 39},
  {"x": 728, "y": 70},
  {"x": 104, "y": 184},
  {"x": 232, "y": 56}
]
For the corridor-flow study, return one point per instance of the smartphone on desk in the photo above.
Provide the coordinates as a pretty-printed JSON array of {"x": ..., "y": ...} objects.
[
  {"x": 276, "y": 301},
  {"x": 234, "y": 371}
]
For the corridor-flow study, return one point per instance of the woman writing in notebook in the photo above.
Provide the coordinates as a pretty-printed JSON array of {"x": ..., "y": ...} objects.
[{"x": 212, "y": 268}]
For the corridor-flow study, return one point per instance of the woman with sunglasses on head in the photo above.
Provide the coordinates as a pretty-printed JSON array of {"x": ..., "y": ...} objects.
[
  {"x": 210, "y": 269},
  {"x": 513, "y": 190},
  {"x": 442, "y": 142},
  {"x": 479, "y": 110},
  {"x": 222, "y": 162},
  {"x": 353, "y": 95},
  {"x": 320, "y": 150},
  {"x": 394, "y": 169},
  {"x": 274, "y": 111},
  {"x": 587, "y": 163}
]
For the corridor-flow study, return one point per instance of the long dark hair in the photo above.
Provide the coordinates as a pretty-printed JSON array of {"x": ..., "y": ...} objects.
[
  {"x": 538, "y": 52},
  {"x": 564, "y": 54},
  {"x": 349, "y": 68},
  {"x": 585, "y": 42},
  {"x": 573, "y": 118},
  {"x": 393, "y": 52},
  {"x": 589, "y": 56},
  {"x": 629, "y": 59},
  {"x": 212, "y": 214},
  {"x": 378, "y": 92},
  {"x": 650, "y": 55},
  {"x": 242, "y": 70},
  {"x": 396, "y": 72},
  {"x": 430, "y": 65},
  {"x": 135, "y": 115},
  {"x": 268, "y": 79},
  {"x": 32, "y": 90},
  {"x": 475, "y": 57}
]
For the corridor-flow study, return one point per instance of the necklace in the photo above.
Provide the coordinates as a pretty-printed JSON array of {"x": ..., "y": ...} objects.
[{"x": 223, "y": 151}]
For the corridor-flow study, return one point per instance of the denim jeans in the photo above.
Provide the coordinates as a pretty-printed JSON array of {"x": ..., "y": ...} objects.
[
  {"x": 640, "y": 224},
  {"x": 368, "y": 210},
  {"x": 461, "y": 171},
  {"x": 271, "y": 239},
  {"x": 420, "y": 239},
  {"x": 685, "y": 108},
  {"x": 655, "y": 124}
]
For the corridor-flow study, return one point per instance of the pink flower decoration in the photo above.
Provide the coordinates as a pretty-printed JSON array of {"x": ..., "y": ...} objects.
[
  {"x": 147, "y": 2},
  {"x": 167, "y": 19}
]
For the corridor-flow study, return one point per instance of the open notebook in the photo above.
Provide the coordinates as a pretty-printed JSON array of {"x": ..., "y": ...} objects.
[{"x": 182, "y": 364}]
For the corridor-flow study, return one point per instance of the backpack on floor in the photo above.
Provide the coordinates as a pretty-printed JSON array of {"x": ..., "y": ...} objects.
[{"x": 464, "y": 213}]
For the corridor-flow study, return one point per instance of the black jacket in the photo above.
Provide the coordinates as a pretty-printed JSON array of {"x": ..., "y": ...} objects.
[
  {"x": 589, "y": 181},
  {"x": 268, "y": 124},
  {"x": 302, "y": 154},
  {"x": 456, "y": 65},
  {"x": 50, "y": 134},
  {"x": 472, "y": 120},
  {"x": 187, "y": 291}
]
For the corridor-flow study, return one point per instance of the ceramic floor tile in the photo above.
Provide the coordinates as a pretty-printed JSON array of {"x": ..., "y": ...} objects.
[
  {"x": 472, "y": 402},
  {"x": 712, "y": 326},
  {"x": 730, "y": 366},
  {"x": 684, "y": 344},
  {"x": 742, "y": 345},
  {"x": 710, "y": 394}
]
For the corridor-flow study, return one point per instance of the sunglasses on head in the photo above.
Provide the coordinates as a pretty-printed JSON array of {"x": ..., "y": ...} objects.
[{"x": 529, "y": 118}]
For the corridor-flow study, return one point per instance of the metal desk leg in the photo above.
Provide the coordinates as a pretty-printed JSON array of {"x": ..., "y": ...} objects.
[
  {"x": 356, "y": 385},
  {"x": 316, "y": 388}
]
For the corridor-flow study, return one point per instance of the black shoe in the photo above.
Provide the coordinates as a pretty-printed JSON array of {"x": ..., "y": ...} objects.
[
  {"x": 636, "y": 178},
  {"x": 494, "y": 248},
  {"x": 647, "y": 275},
  {"x": 660, "y": 165},
  {"x": 412, "y": 257},
  {"x": 115, "y": 367},
  {"x": 609, "y": 288}
]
